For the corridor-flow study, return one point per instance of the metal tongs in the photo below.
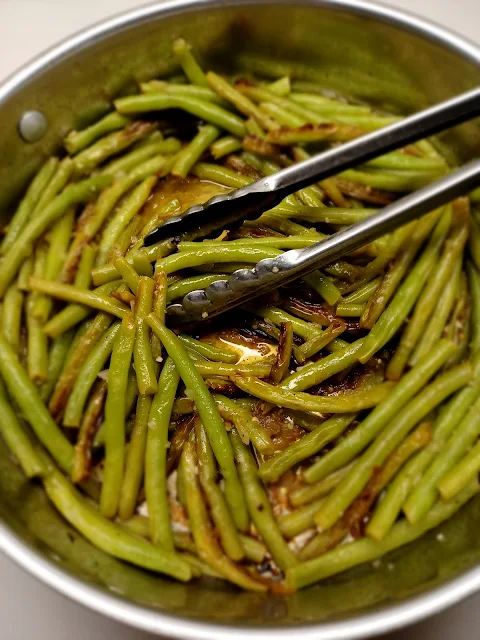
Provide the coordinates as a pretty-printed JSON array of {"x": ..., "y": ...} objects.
[{"x": 227, "y": 211}]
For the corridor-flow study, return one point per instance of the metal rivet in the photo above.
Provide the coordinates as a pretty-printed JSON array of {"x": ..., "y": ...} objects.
[{"x": 32, "y": 125}]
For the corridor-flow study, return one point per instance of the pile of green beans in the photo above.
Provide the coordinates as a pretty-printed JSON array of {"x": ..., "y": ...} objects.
[{"x": 316, "y": 429}]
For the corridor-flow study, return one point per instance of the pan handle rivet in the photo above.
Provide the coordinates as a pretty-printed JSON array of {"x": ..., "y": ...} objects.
[{"x": 32, "y": 125}]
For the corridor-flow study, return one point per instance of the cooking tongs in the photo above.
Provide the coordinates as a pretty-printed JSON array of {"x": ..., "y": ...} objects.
[{"x": 226, "y": 211}]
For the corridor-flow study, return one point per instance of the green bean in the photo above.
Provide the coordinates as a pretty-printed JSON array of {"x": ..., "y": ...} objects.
[
  {"x": 180, "y": 483},
  {"x": 22, "y": 215},
  {"x": 37, "y": 345},
  {"x": 104, "y": 206},
  {"x": 201, "y": 528},
  {"x": 59, "y": 242},
  {"x": 475, "y": 195},
  {"x": 368, "y": 122},
  {"x": 115, "y": 419},
  {"x": 255, "y": 141},
  {"x": 284, "y": 353},
  {"x": 366, "y": 550},
  {"x": 58, "y": 182},
  {"x": 194, "y": 150},
  {"x": 307, "y": 493},
  {"x": 427, "y": 400},
  {"x": 328, "y": 186},
  {"x": 253, "y": 549},
  {"x": 433, "y": 332},
  {"x": 247, "y": 426},
  {"x": 142, "y": 353},
  {"x": 240, "y": 101},
  {"x": 282, "y": 115},
  {"x": 257, "y": 369},
  {"x": 220, "y": 513},
  {"x": 195, "y": 91},
  {"x": 287, "y": 111},
  {"x": 102, "y": 276},
  {"x": 409, "y": 244},
  {"x": 315, "y": 372},
  {"x": 82, "y": 459},
  {"x": 190, "y": 66},
  {"x": 308, "y": 445},
  {"x": 141, "y": 259},
  {"x": 474, "y": 240},
  {"x": 327, "y": 215},
  {"x": 345, "y": 402},
  {"x": 425, "y": 493},
  {"x": 152, "y": 223},
  {"x": 72, "y": 314},
  {"x": 84, "y": 297},
  {"x": 132, "y": 205},
  {"x": 474, "y": 287},
  {"x": 211, "y": 113},
  {"x": 159, "y": 307},
  {"x": 461, "y": 475},
  {"x": 181, "y": 433},
  {"x": 22, "y": 246},
  {"x": 311, "y": 133},
  {"x": 211, "y": 419},
  {"x": 411, "y": 383},
  {"x": 24, "y": 274},
  {"x": 87, "y": 375},
  {"x": 306, "y": 93},
  {"x": 396, "y": 181},
  {"x": 77, "y": 140},
  {"x": 135, "y": 461},
  {"x": 276, "y": 316},
  {"x": 12, "y": 315},
  {"x": 130, "y": 401},
  {"x": 299, "y": 520},
  {"x": 391, "y": 504},
  {"x": 222, "y": 175},
  {"x": 147, "y": 151},
  {"x": 16, "y": 439},
  {"x": 23, "y": 391},
  {"x": 56, "y": 359},
  {"x": 259, "y": 506},
  {"x": 393, "y": 317},
  {"x": 156, "y": 454},
  {"x": 83, "y": 277},
  {"x": 123, "y": 294},
  {"x": 291, "y": 242},
  {"x": 404, "y": 161},
  {"x": 128, "y": 273},
  {"x": 280, "y": 87},
  {"x": 106, "y": 535},
  {"x": 225, "y": 146},
  {"x": 356, "y": 513},
  {"x": 349, "y": 310},
  {"x": 438, "y": 280},
  {"x": 363, "y": 294},
  {"x": 74, "y": 365},
  {"x": 209, "y": 351},
  {"x": 188, "y": 259},
  {"x": 324, "y": 287},
  {"x": 91, "y": 157}
]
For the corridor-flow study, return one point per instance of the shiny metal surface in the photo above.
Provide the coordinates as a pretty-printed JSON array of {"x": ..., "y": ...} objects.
[
  {"x": 271, "y": 273},
  {"x": 251, "y": 201},
  {"x": 32, "y": 126},
  {"x": 368, "y": 51}
]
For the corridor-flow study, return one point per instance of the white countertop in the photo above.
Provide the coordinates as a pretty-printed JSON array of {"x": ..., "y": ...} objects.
[{"x": 27, "y": 608}]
